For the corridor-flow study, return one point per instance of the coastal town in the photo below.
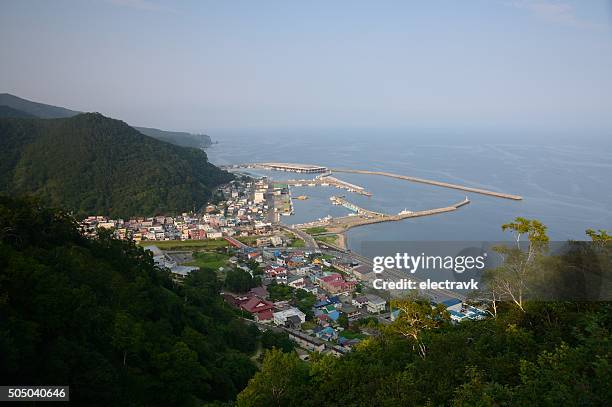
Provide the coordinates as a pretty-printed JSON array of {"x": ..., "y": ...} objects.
[{"x": 279, "y": 278}]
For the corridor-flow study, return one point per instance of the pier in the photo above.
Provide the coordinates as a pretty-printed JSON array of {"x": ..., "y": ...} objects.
[
  {"x": 435, "y": 183},
  {"x": 326, "y": 174},
  {"x": 338, "y": 200},
  {"x": 367, "y": 217},
  {"x": 327, "y": 181},
  {"x": 299, "y": 168}
]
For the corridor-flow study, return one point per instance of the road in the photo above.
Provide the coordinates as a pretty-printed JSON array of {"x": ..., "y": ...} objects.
[{"x": 311, "y": 244}]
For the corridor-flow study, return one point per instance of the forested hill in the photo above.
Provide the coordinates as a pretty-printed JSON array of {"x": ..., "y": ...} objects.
[
  {"x": 179, "y": 138},
  {"x": 96, "y": 165},
  {"x": 99, "y": 316},
  {"x": 42, "y": 110},
  {"x": 14, "y": 106},
  {"x": 7, "y": 111}
]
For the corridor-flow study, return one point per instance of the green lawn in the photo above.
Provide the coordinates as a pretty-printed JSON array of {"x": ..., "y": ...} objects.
[
  {"x": 333, "y": 239},
  {"x": 185, "y": 244},
  {"x": 351, "y": 335},
  {"x": 210, "y": 260},
  {"x": 298, "y": 243},
  {"x": 315, "y": 230}
]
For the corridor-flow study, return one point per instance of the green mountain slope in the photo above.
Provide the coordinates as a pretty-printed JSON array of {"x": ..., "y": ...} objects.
[
  {"x": 177, "y": 137},
  {"x": 11, "y": 104},
  {"x": 6, "y": 111},
  {"x": 97, "y": 315},
  {"x": 93, "y": 164},
  {"x": 36, "y": 109}
]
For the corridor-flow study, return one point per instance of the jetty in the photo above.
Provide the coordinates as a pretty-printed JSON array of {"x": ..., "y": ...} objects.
[{"x": 431, "y": 182}]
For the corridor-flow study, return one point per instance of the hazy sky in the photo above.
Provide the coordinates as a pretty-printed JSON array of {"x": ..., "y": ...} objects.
[{"x": 201, "y": 65}]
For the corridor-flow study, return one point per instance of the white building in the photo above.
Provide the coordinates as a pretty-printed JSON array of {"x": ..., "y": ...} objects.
[
  {"x": 375, "y": 303},
  {"x": 280, "y": 317},
  {"x": 259, "y": 197}
]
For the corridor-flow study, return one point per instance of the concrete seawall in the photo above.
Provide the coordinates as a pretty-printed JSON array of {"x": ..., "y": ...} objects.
[{"x": 431, "y": 182}]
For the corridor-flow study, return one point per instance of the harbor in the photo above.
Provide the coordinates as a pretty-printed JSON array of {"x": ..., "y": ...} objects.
[{"x": 361, "y": 216}]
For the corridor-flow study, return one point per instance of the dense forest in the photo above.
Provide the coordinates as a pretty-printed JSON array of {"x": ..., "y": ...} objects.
[
  {"x": 98, "y": 315},
  {"x": 180, "y": 138},
  {"x": 92, "y": 164},
  {"x": 14, "y": 106},
  {"x": 7, "y": 111}
]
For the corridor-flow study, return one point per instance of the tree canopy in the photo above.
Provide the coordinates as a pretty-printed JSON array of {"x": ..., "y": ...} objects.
[
  {"x": 94, "y": 165},
  {"x": 99, "y": 316}
]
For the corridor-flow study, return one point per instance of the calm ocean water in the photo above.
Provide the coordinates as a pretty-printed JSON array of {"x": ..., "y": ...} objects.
[{"x": 567, "y": 187}]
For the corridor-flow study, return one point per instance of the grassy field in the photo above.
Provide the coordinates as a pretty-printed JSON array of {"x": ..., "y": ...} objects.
[
  {"x": 315, "y": 230},
  {"x": 298, "y": 243},
  {"x": 186, "y": 244},
  {"x": 210, "y": 260},
  {"x": 333, "y": 239},
  {"x": 352, "y": 335}
]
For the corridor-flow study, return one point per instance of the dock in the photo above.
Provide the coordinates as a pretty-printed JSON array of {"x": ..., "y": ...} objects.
[
  {"x": 299, "y": 168},
  {"x": 435, "y": 183},
  {"x": 327, "y": 181},
  {"x": 366, "y": 217}
]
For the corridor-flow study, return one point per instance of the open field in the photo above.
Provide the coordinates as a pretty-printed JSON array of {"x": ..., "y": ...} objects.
[
  {"x": 298, "y": 243},
  {"x": 186, "y": 244},
  {"x": 315, "y": 230},
  {"x": 333, "y": 239},
  {"x": 209, "y": 260}
]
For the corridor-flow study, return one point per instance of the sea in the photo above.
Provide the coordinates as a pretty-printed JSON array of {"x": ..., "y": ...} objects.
[{"x": 564, "y": 184}]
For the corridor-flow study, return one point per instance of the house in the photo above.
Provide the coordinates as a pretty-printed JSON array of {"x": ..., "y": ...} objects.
[
  {"x": 351, "y": 311},
  {"x": 307, "y": 342},
  {"x": 330, "y": 312},
  {"x": 361, "y": 272},
  {"x": 276, "y": 241},
  {"x": 347, "y": 343},
  {"x": 255, "y": 256},
  {"x": 334, "y": 315},
  {"x": 280, "y": 317},
  {"x": 322, "y": 303},
  {"x": 256, "y": 305},
  {"x": 311, "y": 288},
  {"x": 281, "y": 278},
  {"x": 235, "y": 299},
  {"x": 335, "y": 283},
  {"x": 296, "y": 282},
  {"x": 294, "y": 322},
  {"x": 337, "y": 350},
  {"x": 375, "y": 303},
  {"x": 261, "y": 292},
  {"x": 327, "y": 333},
  {"x": 301, "y": 270},
  {"x": 360, "y": 302},
  {"x": 197, "y": 234},
  {"x": 453, "y": 304},
  {"x": 181, "y": 272},
  {"x": 214, "y": 234},
  {"x": 262, "y": 241},
  {"x": 323, "y": 320},
  {"x": 335, "y": 301},
  {"x": 272, "y": 271},
  {"x": 264, "y": 316}
]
